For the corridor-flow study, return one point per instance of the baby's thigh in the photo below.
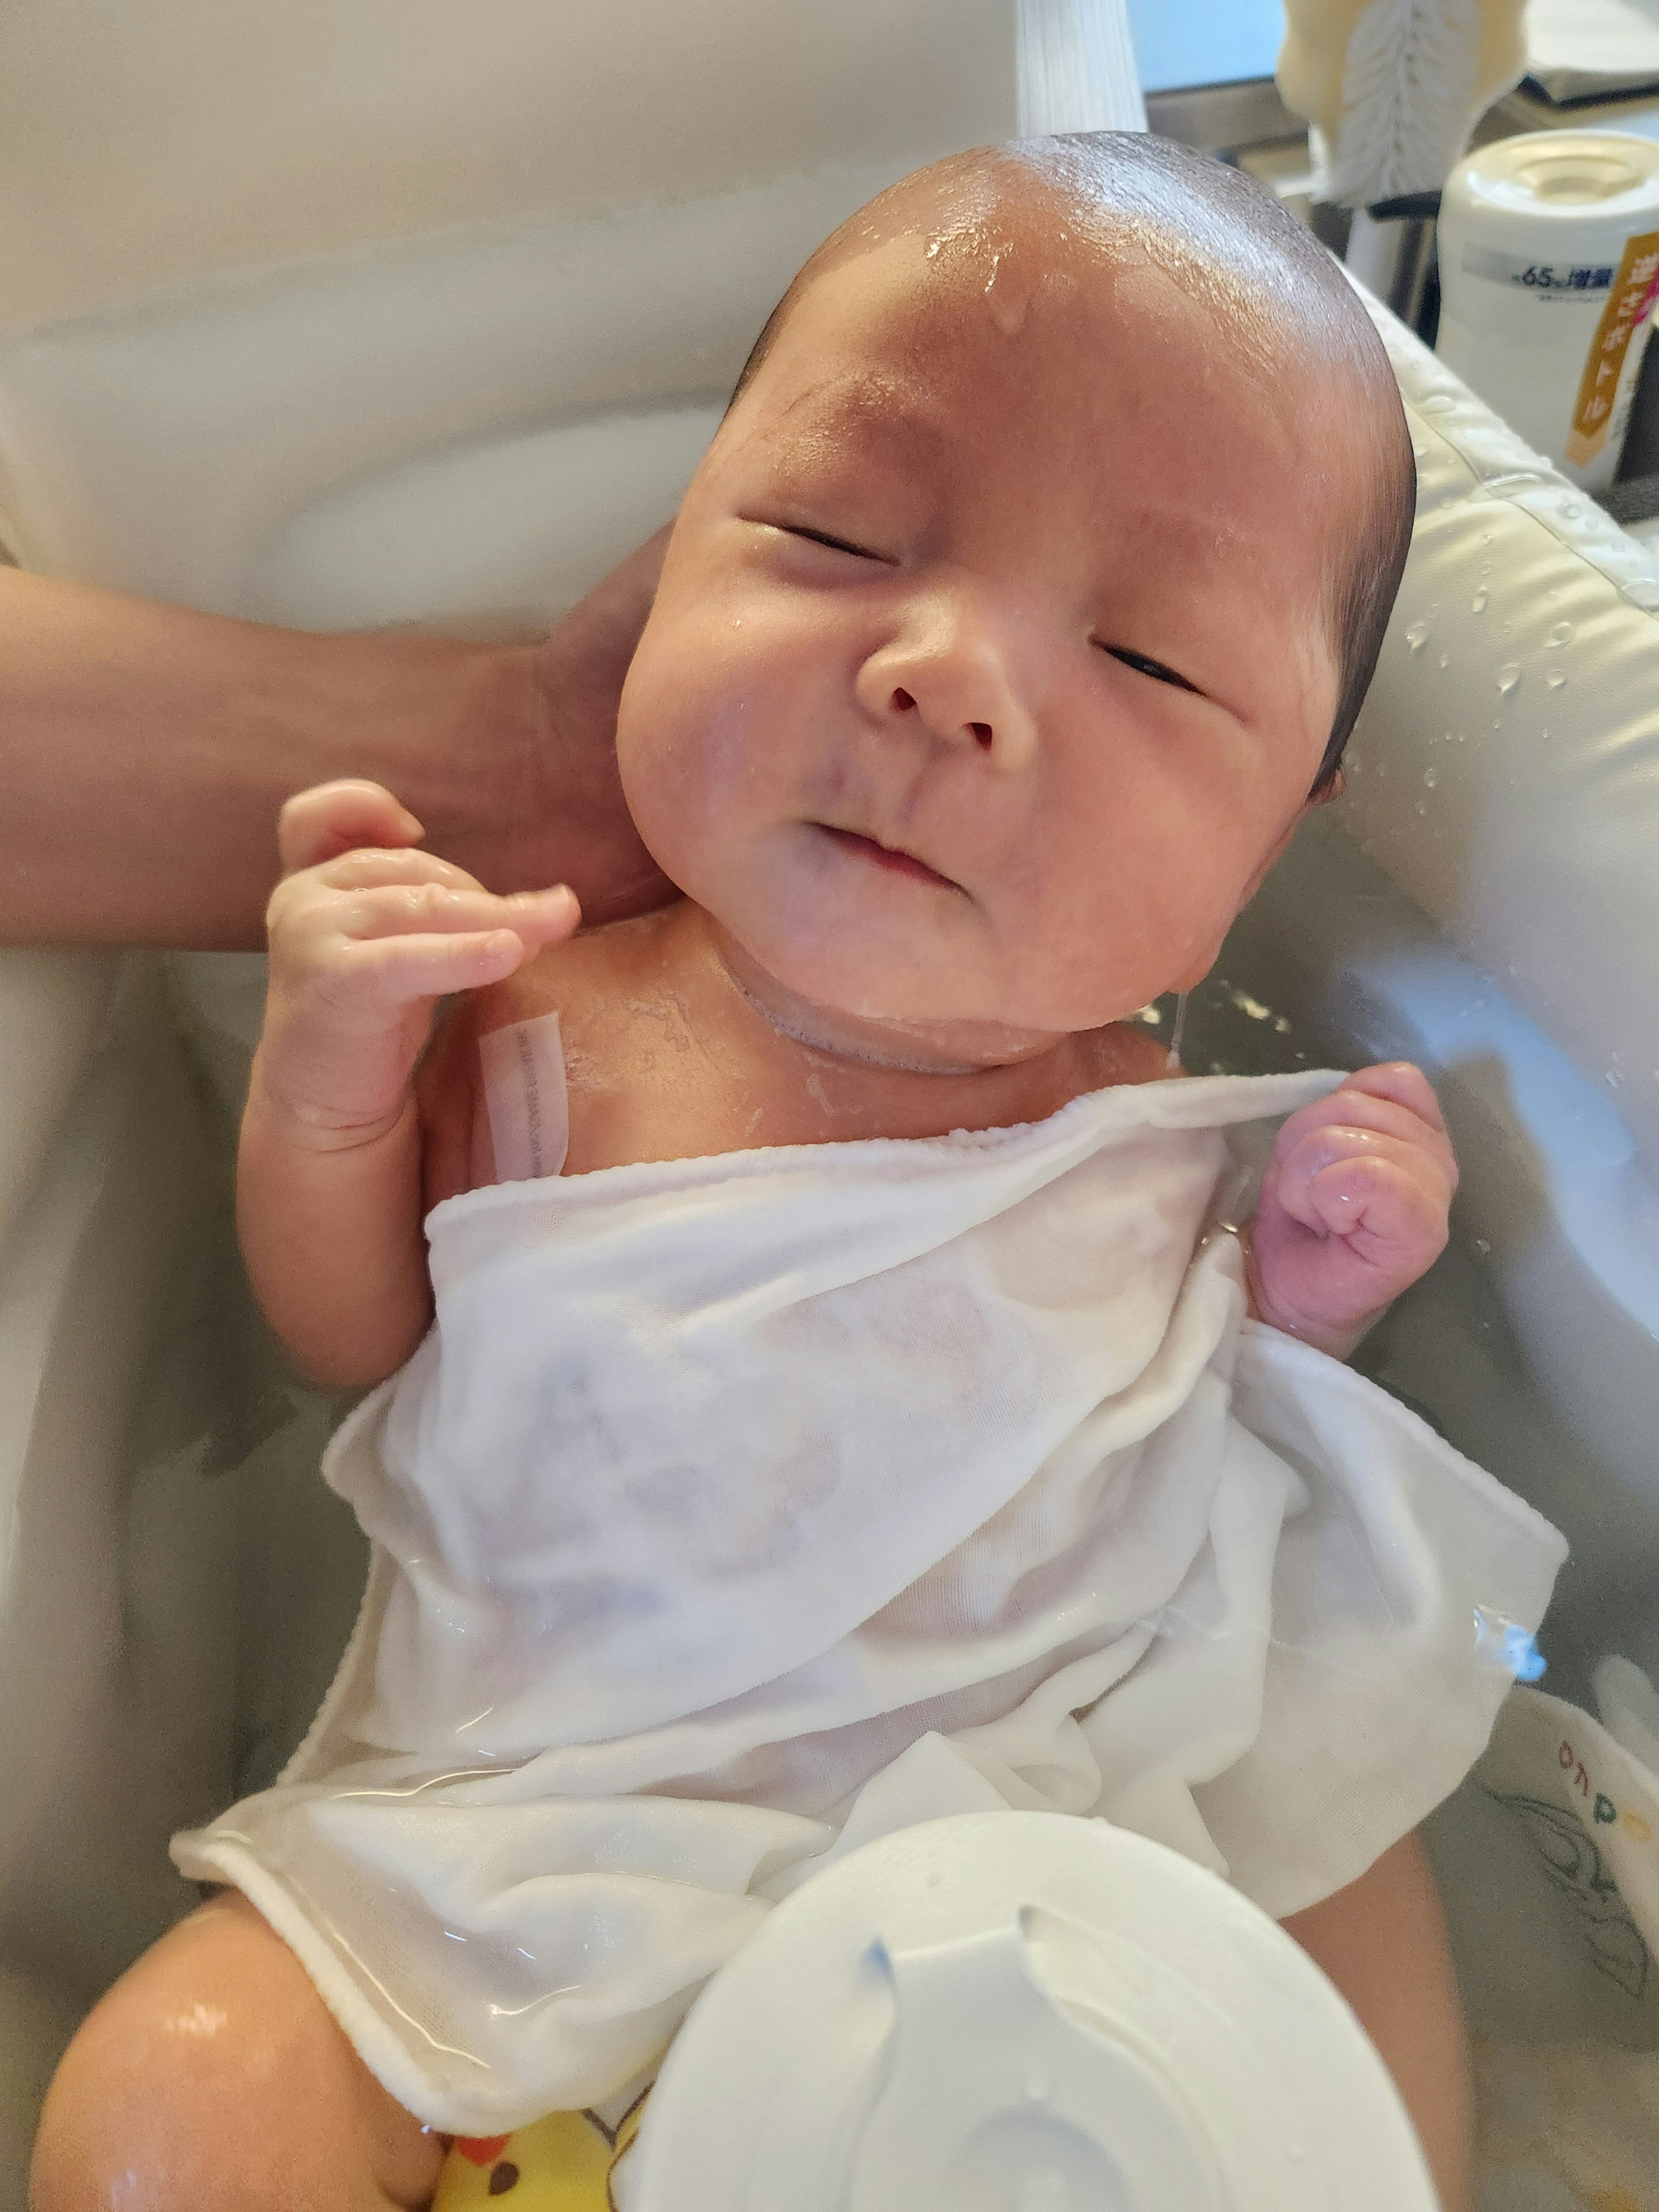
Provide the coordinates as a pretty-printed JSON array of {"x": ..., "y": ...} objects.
[{"x": 212, "y": 2076}]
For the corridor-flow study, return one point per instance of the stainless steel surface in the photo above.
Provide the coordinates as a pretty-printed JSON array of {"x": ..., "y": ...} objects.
[{"x": 1222, "y": 119}]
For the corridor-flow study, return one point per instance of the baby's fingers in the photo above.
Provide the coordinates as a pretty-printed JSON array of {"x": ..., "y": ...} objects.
[
  {"x": 380, "y": 974},
  {"x": 332, "y": 818},
  {"x": 1360, "y": 1183},
  {"x": 1356, "y": 1106},
  {"x": 1403, "y": 1084},
  {"x": 535, "y": 918},
  {"x": 1382, "y": 1212},
  {"x": 365, "y": 867}
]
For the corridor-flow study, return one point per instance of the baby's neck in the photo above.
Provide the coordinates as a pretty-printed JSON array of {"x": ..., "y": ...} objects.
[
  {"x": 671, "y": 1054},
  {"x": 756, "y": 1064},
  {"x": 912, "y": 1047}
]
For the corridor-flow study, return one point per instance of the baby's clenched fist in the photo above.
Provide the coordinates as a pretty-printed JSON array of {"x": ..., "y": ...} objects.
[
  {"x": 367, "y": 934},
  {"x": 1354, "y": 1208}
]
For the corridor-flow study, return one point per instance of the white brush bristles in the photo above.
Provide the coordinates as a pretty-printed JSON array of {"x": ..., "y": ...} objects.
[{"x": 1409, "y": 98}]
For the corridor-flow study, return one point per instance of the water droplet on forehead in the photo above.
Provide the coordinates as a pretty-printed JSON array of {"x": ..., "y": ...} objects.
[
  {"x": 1556, "y": 678},
  {"x": 1508, "y": 676},
  {"x": 1438, "y": 403},
  {"x": 1430, "y": 776},
  {"x": 1561, "y": 634},
  {"x": 1478, "y": 604},
  {"x": 1415, "y": 633},
  {"x": 1445, "y": 660}
]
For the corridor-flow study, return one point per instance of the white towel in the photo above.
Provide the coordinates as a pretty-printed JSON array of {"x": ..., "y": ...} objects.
[{"x": 738, "y": 1509}]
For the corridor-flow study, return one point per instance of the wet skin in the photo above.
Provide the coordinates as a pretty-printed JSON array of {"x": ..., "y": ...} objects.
[{"x": 959, "y": 579}]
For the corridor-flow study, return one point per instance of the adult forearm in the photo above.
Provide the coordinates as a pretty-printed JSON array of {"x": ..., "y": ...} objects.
[{"x": 146, "y": 750}]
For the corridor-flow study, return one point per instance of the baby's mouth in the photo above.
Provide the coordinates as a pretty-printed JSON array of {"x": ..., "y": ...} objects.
[{"x": 885, "y": 856}]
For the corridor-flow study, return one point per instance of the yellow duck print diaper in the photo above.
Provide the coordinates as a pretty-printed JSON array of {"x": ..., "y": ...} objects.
[{"x": 560, "y": 2164}]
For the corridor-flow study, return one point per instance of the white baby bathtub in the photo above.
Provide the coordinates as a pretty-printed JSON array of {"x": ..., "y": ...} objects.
[{"x": 444, "y": 340}]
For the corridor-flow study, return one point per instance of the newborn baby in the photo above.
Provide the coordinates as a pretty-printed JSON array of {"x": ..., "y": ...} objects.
[{"x": 766, "y": 1484}]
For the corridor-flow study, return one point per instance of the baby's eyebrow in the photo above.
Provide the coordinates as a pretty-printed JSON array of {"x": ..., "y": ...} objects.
[{"x": 869, "y": 416}]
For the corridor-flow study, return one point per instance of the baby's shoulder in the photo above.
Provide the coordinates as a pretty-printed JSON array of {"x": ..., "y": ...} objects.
[
  {"x": 581, "y": 980},
  {"x": 571, "y": 980}
]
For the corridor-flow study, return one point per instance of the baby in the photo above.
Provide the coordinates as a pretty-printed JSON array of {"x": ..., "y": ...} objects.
[{"x": 766, "y": 1486}]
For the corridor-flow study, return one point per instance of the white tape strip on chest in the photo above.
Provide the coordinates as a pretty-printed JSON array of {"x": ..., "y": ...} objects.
[{"x": 524, "y": 1092}]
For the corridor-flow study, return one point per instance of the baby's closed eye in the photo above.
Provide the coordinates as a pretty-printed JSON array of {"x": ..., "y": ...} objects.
[
  {"x": 1145, "y": 665},
  {"x": 823, "y": 537}
]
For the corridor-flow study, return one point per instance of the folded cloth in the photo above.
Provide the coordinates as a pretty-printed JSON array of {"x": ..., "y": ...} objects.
[{"x": 737, "y": 1510}]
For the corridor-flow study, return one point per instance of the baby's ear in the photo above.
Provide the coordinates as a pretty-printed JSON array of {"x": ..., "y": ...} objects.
[{"x": 1333, "y": 788}]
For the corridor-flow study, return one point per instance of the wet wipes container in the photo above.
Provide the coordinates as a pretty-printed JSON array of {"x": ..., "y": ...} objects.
[{"x": 1549, "y": 266}]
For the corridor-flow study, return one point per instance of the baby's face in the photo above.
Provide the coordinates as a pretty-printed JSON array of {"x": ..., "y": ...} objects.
[{"x": 991, "y": 664}]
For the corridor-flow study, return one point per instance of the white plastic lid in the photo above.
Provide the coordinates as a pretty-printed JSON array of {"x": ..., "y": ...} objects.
[
  {"x": 1022, "y": 2012},
  {"x": 1551, "y": 185}
]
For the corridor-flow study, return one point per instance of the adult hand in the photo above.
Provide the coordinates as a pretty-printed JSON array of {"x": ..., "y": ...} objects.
[{"x": 543, "y": 803}]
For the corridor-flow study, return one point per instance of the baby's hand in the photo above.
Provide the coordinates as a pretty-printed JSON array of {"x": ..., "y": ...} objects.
[
  {"x": 1354, "y": 1206},
  {"x": 365, "y": 935}
]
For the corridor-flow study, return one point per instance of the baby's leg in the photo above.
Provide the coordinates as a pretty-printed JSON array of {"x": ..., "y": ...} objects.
[
  {"x": 210, "y": 2076},
  {"x": 1382, "y": 1940}
]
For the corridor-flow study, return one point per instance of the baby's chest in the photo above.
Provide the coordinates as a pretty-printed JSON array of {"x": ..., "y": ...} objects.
[{"x": 623, "y": 1072}]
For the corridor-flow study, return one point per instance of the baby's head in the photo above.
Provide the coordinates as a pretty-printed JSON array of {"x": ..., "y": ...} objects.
[{"x": 1026, "y": 595}]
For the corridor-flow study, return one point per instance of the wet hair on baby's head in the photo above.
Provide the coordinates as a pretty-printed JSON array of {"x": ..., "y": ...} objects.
[{"x": 1227, "y": 239}]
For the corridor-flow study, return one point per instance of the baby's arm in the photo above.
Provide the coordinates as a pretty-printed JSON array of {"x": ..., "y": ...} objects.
[
  {"x": 1382, "y": 1942},
  {"x": 1354, "y": 1208},
  {"x": 365, "y": 935}
]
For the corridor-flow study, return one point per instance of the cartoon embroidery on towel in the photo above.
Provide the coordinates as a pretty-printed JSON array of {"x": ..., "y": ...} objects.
[
  {"x": 560, "y": 2164},
  {"x": 1576, "y": 1868}
]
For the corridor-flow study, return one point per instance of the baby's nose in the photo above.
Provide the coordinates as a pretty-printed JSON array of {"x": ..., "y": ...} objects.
[
  {"x": 955, "y": 684},
  {"x": 904, "y": 703}
]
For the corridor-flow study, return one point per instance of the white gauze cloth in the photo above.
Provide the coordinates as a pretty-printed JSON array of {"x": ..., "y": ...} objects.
[{"x": 737, "y": 1510}]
